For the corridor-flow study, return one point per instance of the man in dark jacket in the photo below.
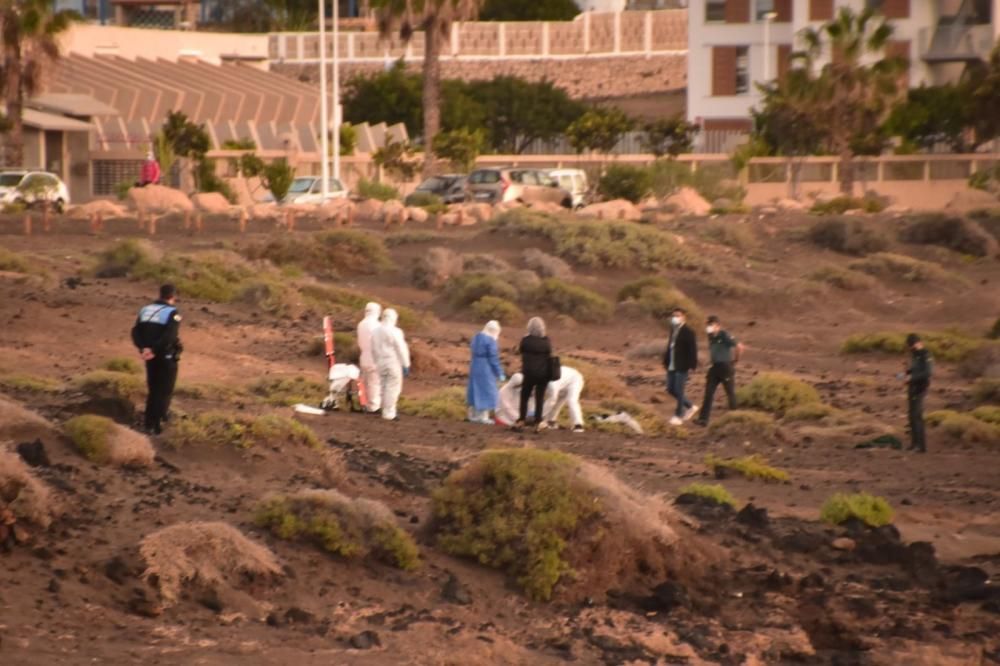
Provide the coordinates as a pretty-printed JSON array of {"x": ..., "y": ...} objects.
[
  {"x": 680, "y": 359},
  {"x": 724, "y": 352},
  {"x": 155, "y": 334},
  {"x": 918, "y": 381}
]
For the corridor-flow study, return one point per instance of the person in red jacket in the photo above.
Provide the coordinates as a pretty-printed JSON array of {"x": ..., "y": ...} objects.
[{"x": 150, "y": 174}]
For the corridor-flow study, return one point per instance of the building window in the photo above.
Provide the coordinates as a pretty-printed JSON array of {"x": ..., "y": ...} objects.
[
  {"x": 820, "y": 10},
  {"x": 763, "y": 8},
  {"x": 893, "y": 9},
  {"x": 715, "y": 11},
  {"x": 742, "y": 70}
]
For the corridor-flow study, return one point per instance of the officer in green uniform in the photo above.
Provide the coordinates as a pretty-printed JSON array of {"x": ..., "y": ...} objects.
[
  {"x": 724, "y": 352},
  {"x": 155, "y": 334},
  {"x": 918, "y": 381}
]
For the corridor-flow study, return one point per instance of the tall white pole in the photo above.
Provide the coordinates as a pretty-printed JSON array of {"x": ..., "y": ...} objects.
[
  {"x": 768, "y": 17},
  {"x": 336, "y": 89},
  {"x": 324, "y": 112}
]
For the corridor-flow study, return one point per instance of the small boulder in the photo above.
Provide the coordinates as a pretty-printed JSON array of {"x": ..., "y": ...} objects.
[
  {"x": 971, "y": 199},
  {"x": 479, "y": 212},
  {"x": 617, "y": 209},
  {"x": 393, "y": 211},
  {"x": 547, "y": 207},
  {"x": 454, "y": 592},
  {"x": 158, "y": 199},
  {"x": 339, "y": 211},
  {"x": 790, "y": 205},
  {"x": 106, "y": 209},
  {"x": 844, "y": 543},
  {"x": 369, "y": 209},
  {"x": 687, "y": 201},
  {"x": 365, "y": 640},
  {"x": 418, "y": 215}
]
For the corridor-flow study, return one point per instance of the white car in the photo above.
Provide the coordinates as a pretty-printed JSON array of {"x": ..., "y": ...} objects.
[
  {"x": 32, "y": 188},
  {"x": 573, "y": 181},
  {"x": 309, "y": 190}
]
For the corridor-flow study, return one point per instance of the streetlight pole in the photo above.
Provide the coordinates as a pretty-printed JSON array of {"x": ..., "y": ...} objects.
[
  {"x": 324, "y": 115},
  {"x": 336, "y": 89},
  {"x": 768, "y": 18}
]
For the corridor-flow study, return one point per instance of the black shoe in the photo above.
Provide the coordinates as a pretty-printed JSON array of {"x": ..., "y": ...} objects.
[{"x": 700, "y": 423}]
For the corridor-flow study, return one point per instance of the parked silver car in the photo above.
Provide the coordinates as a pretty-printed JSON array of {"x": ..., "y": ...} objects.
[
  {"x": 32, "y": 188},
  {"x": 505, "y": 184}
]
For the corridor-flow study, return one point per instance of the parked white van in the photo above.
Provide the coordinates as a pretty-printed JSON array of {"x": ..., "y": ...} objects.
[{"x": 573, "y": 181}]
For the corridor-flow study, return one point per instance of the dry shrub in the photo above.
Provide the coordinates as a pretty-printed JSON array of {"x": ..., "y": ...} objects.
[
  {"x": 982, "y": 361},
  {"x": 447, "y": 404},
  {"x": 464, "y": 290},
  {"x": 842, "y": 278},
  {"x": 484, "y": 263},
  {"x": 709, "y": 492},
  {"x": 776, "y": 392},
  {"x": 204, "y": 554},
  {"x": 854, "y": 237},
  {"x": 572, "y": 300},
  {"x": 900, "y": 267},
  {"x": 560, "y": 526},
  {"x": 654, "y": 349},
  {"x": 986, "y": 391},
  {"x": 491, "y": 307},
  {"x": 104, "y": 442},
  {"x": 19, "y": 383},
  {"x": 326, "y": 254},
  {"x": 17, "y": 422},
  {"x": 353, "y": 528},
  {"x": 546, "y": 265},
  {"x": 944, "y": 345},
  {"x": 955, "y": 233},
  {"x": 745, "y": 423},
  {"x": 750, "y": 467},
  {"x": 22, "y": 496},
  {"x": 731, "y": 234},
  {"x": 435, "y": 267},
  {"x": 286, "y": 391},
  {"x": 109, "y": 384},
  {"x": 12, "y": 262},
  {"x": 813, "y": 411},
  {"x": 241, "y": 432},
  {"x": 872, "y": 510},
  {"x": 657, "y": 297},
  {"x": 965, "y": 427}
]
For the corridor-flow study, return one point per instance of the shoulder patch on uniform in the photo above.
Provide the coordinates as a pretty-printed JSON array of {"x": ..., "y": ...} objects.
[{"x": 177, "y": 317}]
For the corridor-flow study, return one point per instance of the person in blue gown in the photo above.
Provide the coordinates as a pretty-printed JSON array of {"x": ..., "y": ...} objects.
[{"x": 484, "y": 373}]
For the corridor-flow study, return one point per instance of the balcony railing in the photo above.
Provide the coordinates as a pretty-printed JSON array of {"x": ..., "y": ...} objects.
[{"x": 956, "y": 43}]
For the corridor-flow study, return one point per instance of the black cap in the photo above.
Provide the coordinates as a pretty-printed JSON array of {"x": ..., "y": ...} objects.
[
  {"x": 167, "y": 291},
  {"x": 912, "y": 339},
  {"x": 679, "y": 309},
  {"x": 712, "y": 319}
]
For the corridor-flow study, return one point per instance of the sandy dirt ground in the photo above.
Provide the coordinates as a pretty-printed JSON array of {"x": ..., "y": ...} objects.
[{"x": 772, "y": 588}]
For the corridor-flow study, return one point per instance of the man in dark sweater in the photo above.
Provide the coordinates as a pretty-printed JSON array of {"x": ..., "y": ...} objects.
[
  {"x": 724, "y": 352},
  {"x": 680, "y": 358},
  {"x": 918, "y": 381}
]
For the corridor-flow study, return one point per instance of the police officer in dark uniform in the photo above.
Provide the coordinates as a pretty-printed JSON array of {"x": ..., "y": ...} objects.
[
  {"x": 918, "y": 381},
  {"x": 724, "y": 351},
  {"x": 155, "y": 334}
]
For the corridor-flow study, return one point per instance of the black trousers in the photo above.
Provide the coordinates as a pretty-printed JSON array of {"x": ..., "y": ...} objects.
[
  {"x": 718, "y": 373},
  {"x": 161, "y": 376},
  {"x": 538, "y": 386},
  {"x": 915, "y": 409}
]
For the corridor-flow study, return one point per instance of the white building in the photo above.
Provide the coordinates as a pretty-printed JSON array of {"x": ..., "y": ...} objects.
[{"x": 735, "y": 44}]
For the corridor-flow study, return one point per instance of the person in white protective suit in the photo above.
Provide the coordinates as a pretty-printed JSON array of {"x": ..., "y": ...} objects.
[
  {"x": 369, "y": 373},
  {"x": 564, "y": 392},
  {"x": 392, "y": 358}
]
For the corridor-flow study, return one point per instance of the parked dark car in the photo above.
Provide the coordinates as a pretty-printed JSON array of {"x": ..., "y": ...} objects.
[{"x": 450, "y": 187}]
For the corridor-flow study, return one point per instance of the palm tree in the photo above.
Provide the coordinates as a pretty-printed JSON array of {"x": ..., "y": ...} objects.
[
  {"x": 30, "y": 31},
  {"x": 854, "y": 98},
  {"x": 434, "y": 18}
]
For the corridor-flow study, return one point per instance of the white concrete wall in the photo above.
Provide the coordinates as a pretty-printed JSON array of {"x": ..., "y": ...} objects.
[
  {"x": 90, "y": 39},
  {"x": 601, "y": 5}
]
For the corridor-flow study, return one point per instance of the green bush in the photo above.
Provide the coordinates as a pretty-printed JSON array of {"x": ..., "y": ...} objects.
[
  {"x": 551, "y": 521},
  {"x": 287, "y": 391},
  {"x": 429, "y": 201},
  {"x": 491, "y": 307},
  {"x": 955, "y": 233},
  {"x": 12, "y": 262},
  {"x": 122, "y": 258},
  {"x": 446, "y": 405},
  {"x": 326, "y": 254},
  {"x": 241, "y": 432},
  {"x": 842, "y": 204},
  {"x": 127, "y": 365},
  {"x": 712, "y": 492},
  {"x": 745, "y": 422},
  {"x": 658, "y": 298},
  {"x": 943, "y": 346},
  {"x": 464, "y": 290},
  {"x": 871, "y": 510},
  {"x": 812, "y": 411},
  {"x": 988, "y": 414},
  {"x": 269, "y": 295},
  {"x": 349, "y": 528},
  {"x": 854, "y": 237},
  {"x": 371, "y": 190},
  {"x": 599, "y": 244},
  {"x": 841, "y": 278},
  {"x": 776, "y": 392},
  {"x": 750, "y": 467},
  {"x": 17, "y": 382},
  {"x": 731, "y": 234},
  {"x": 325, "y": 299},
  {"x": 621, "y": 181},
  {"x": 965, "y": 427},
  {"x": 901, "y": 267},
  {"x": 107, "y": 384},
  {"x": 712, "y": 181},
  {"x": 986, "y": 390},
  {"x": 91, "y": 435},
  {"x": 569, "y": 299}
]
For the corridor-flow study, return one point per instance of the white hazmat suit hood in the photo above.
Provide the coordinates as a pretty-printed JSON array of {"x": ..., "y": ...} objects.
[
  {"x": 392, "y": 359},
  {"x": 369, "y": 373}
]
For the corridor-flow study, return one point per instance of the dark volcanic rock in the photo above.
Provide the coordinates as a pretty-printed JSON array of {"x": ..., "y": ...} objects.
[
  {"x": 33, "y": 453},
  {"x": 296, "y": 615},
  {"x": 703, "y": 508},
  {"x": 801, "y": 541},
  {"x": 966, "y": 584},
  {"x": 454, "y": 592},
  {"x": 117, "y": 570},
  {"x": 665, "y": 597},
  {"x": 753, "y": 516},
  {"x": 365, "y": 640}
]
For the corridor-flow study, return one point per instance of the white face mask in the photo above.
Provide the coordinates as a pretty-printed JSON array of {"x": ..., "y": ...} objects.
[
  {"x": 710, "y": 330},
  {"x": 675, "y": 321}
]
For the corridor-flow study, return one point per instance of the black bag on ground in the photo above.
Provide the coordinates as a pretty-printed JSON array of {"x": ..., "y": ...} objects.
[{"x": 555, "y": 369}]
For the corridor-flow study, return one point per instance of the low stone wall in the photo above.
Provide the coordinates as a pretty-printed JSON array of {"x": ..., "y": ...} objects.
[{"x": 588, "y": 78}]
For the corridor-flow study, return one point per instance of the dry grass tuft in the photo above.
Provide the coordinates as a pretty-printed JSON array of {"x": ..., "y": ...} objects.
[
  {"x": 104, "y": 442},
  {"x": 944, "y": 346},
  {"x": 205, "y": 554},
  {"x": 887, "y": 265},
  {"x": 968, "y": 428},
  {"x": 745, "y": 423},
  {"x": 558, "y": 525},
  {"x": 355, "y": 528},
  {"x": 750, "y": 467},
  {"x": 18, "y": 422},
  {"x": 447, "y": 404},
  {"x": 20, "y": 383},
  {"x": 109, "y": 384},
  {"x": 842, "y": 278},
  {"x": 955, "y": 233},
  {"x": 712, "y": 492},
  {"x": 856, "y": 237},
  {"x": 871, "y": 510},
  {"x": 657, "y": 297},
  {"x": 241, "y": 432},
  {"x": 776, "y": 392},
  {"x": 22, "y": 494}
]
